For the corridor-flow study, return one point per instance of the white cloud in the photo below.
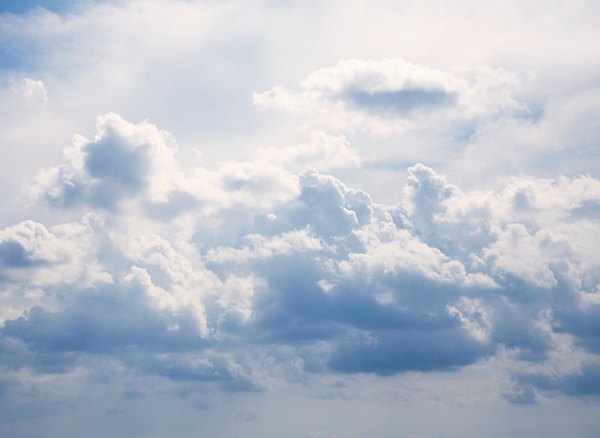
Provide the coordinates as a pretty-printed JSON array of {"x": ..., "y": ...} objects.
[
  {"x": 518, "y": 253},
  {"x": 33, "y": 91},
  {"x": 136, "y": 162},
  {"x": 398, "y": 251},
  {"x": 32, "y": 254},
  {"x": 285, "y": 254},
  {"x": 392, "y": 94},
  {"x": 323, "y": 152},
  {"x": 123, "y": 161},
  {"x": 474, "y": 317},
  {"x": 254, "y": 258},
  {"x": 262, "y": 247},
  {"x": 251, "y": 183}
]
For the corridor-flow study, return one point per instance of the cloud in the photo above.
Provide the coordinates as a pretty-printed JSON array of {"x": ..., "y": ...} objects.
[
  {"x": 323, "y": 152},
  {"x": 29, "y": 243},
  {"x": 34, "y": 255},
  {"x": 253, "y": 275},
  {"x": 579, "y": 317},
  {"x": 264, "y": 248},
  {"x": 107, "y": 317},
  {"x": 137, "y": 163},
  {"x": 255, "y": 184},
  {"x": 585, "y": 382},
  {"x": 216, "y": 368},
  {"x": 373, "y": 233},
  {"x": 522, "y": 395},
  {"x": 123, "y": 161},
  {"x": 391, "y": 94},
  {"x": 392, "y": 351},
  {"x": 517, "y": 252},
  {"x": 31, "y": 91}
]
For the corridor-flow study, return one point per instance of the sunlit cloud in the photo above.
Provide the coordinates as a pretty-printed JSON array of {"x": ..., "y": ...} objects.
[{"x": 298, "y": 220}]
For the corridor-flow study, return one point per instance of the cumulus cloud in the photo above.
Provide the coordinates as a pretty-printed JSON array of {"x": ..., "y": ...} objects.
[
  {"x": 35, "y": 255},
  {"x": 137, "y": 163},
  {"x": 123, "y": 161},
  {"x": 256, "y": 262},
  {"x": 288, "y": 244},
  {"x": 387, "y": 95}
]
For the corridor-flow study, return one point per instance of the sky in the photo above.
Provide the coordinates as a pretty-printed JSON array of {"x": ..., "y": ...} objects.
[{"x": 299, "y": 218}]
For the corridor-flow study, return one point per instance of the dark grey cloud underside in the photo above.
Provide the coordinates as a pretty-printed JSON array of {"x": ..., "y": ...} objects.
[{"x": 399, "y": 101}]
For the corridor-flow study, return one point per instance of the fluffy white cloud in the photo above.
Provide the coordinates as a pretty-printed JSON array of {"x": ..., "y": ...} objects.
[
  {"x": 286, "y": 255},
  {"x": 123, "y": 161},
  {"x": 253, "y": 259},
  {"x": 393, "y": 94},
  {"x": 136, "y": 162},
  {"x": 262, "y": 247},
  {"x": 35, "y": 255}
]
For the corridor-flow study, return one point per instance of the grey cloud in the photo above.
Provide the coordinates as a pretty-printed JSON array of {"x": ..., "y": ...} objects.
[
  {"x": 110, "y": 319},
  {"x": 394, "y": 351},
  {"x": 251, "y": 260},
  {"x": 123, "y": 161},
  {"x": 295, "y": 307},
  {"x": 12, "y": 254},
  {"x": 399, "y": 101},
  {"x": 522, "y": 395},
  {"x": 117, "y": 321},
  {"x": 204, "y": 367},
  {"x": 585, "y": 382},
  {"x": 583, "y": 323},
  {"x": 518, "y": 327},
  {"x": 120, "y": 168}
]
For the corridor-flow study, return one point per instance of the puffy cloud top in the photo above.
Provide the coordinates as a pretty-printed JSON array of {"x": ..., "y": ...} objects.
[
  {"x": 123, "y": 161},
  {"x": 335, "y": 229},
  {"x": 437, "y": 281},
  {"x": 392, "y": 94}
]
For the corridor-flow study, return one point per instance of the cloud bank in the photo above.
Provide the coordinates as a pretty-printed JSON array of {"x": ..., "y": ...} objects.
[
  {"x": 252, "y": 260},
  {"x": 299, "y": 219}
]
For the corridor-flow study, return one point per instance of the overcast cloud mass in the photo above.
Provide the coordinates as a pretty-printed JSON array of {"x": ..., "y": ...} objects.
[{"x": 300, "y": 219}]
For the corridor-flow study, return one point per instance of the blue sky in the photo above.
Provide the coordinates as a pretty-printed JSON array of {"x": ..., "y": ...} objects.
[{"x": 303, "y": 219}]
